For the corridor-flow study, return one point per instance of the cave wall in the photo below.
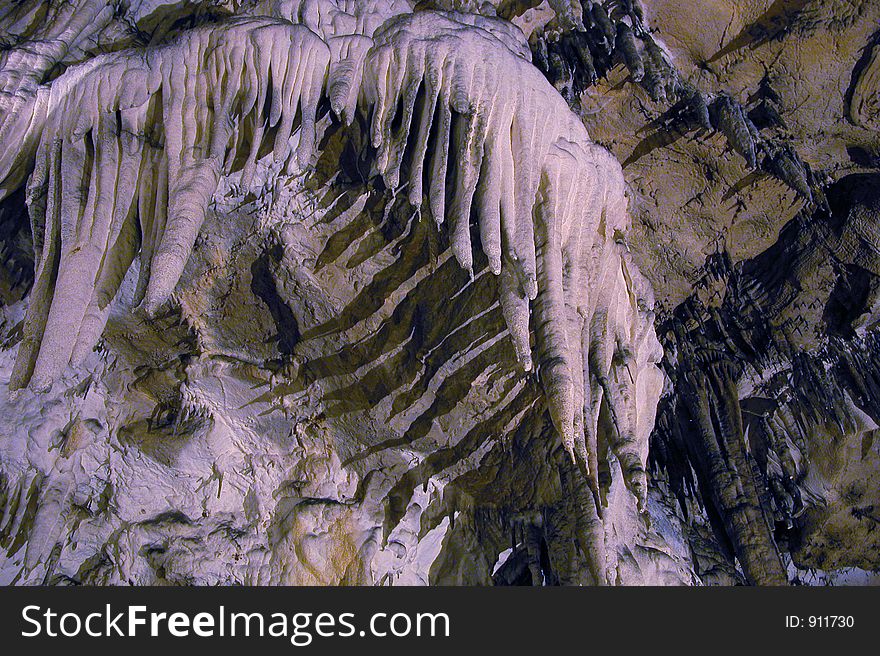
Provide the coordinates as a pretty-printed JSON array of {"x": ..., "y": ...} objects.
[{"x": 325, "y": 369}]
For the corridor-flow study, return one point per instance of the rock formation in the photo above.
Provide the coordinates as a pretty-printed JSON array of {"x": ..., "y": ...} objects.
[{"x": 332, "y": 291}]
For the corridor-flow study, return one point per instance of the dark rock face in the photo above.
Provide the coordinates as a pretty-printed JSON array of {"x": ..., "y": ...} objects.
[
  {"x": 773, "y": 365},
  {"x": 334, "y": 393}
]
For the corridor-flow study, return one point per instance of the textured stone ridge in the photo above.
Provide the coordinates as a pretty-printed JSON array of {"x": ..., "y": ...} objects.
[{"x": 345, "y": 291}]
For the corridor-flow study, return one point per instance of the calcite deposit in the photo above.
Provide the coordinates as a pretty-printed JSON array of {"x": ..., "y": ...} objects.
[{"x": 363, "y": 292}]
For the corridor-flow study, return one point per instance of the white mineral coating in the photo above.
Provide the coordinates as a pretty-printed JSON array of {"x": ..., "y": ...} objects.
[{"x": 126, "y": 157}]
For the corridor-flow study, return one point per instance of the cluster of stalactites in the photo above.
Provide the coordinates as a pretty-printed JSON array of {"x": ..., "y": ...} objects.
[
  {"x": 348, "y": 27},
  {"x": 129, "y": 152},
  {"x": 131, "y": 147},
  {"x": 332, "y": 18},
  {"x": 549, "y": 205},
  {"x": 588, "y": 38}
]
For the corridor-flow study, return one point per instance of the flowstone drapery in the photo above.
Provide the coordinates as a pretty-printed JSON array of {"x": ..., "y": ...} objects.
[{"x": 123, "y": 153}]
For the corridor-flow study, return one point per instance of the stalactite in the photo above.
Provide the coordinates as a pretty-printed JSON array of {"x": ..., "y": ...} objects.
[
  {"x": 626, "y": 44},
  {"x": 732, "y": 123},
  {"x": 603, "y": 22},
  {"x": 787, "y": 166}
]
